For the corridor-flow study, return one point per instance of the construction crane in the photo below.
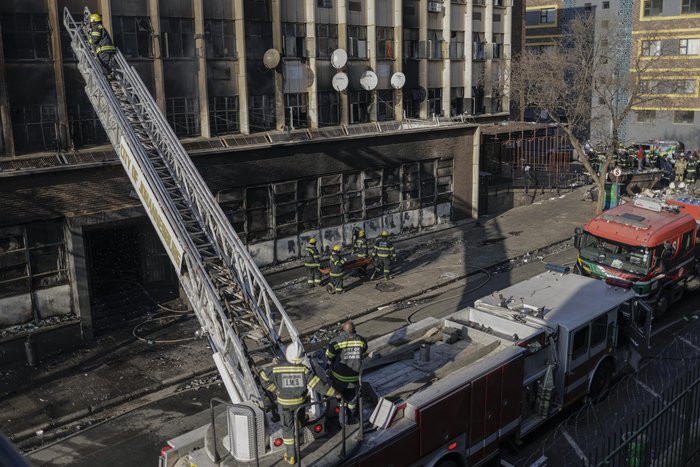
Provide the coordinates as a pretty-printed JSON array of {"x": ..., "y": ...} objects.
[{"x": 239, "y": 314}]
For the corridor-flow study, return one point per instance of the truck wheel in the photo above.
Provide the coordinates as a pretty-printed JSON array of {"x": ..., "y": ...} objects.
[
  {"x": 449, "y": 462},
  {"x": 601, "y": 380},
  {"x": 663, "y": 303}
]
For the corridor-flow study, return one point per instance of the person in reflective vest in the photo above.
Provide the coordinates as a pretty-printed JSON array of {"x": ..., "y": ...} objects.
[
  {"x": 361, "y": 249},
  {"x": 345, "y": 353},
  {"x": 336, "y": 262},
  {"x": 384, "y": 254},
  {"x": 691, "y": 173},
  {"x": 288, "y": 382},
  {"x": 312, "y": 264},
  {"x": 101, "y": 43},
  {"x": 680, "y": 169}
]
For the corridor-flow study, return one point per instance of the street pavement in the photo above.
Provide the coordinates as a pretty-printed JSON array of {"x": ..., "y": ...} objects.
[{"x": 118, "y": 368}]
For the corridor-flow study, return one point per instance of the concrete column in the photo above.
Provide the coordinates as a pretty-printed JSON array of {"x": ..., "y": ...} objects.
[
  {"x": 343, "y": 44},
  {"x": 468, "y": 52},
  {"x": 446, "y": 63},
  {"x": 77, "y": 268},
  {"x": 201, "y": 53},
  {"x": 371, "y": 16},
  {"x": 8, "y": 138},
  {"x": 156, "y": 42},
  {"x": 239, "y": 29},
  {"x": 106, "y": 12},
  {"x": 488, "y": 66},
  {"x": 311, "y": 62},
  {"x": 276, "y": 6},
  {"x": 56, "y": 24},
  {"x": 507, "y": 41},
  {"x": 423, "y": 63},
  {"x": 398, "y": 56}
]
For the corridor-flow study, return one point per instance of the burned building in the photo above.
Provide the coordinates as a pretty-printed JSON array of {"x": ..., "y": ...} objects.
[{"x": 248, "y": 87}]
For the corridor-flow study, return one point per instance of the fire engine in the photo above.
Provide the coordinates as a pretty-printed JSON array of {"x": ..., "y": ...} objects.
[
  {"x": 437, "y": 392},
  {"x": 648, "y": 245}
]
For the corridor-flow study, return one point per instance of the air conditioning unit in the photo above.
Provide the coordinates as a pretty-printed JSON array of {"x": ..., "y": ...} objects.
[{"x": 434, "y": 7}]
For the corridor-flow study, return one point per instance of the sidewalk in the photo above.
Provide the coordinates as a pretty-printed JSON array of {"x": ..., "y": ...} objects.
[{"x": 118, "y": 367}]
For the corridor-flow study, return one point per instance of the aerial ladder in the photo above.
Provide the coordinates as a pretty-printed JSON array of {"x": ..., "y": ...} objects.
[{"x": 239, "y": 314}]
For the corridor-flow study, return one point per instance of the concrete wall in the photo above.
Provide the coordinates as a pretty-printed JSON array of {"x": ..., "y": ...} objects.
[{"x": 663, "y": 128}]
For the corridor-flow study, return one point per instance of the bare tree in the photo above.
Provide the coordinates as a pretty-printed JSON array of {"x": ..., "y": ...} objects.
[{"x": 584, "y": 74}]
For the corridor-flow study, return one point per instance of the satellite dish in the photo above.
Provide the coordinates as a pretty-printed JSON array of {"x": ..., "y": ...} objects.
[
  {"x": 398, "y": 79},
  {"x": 340, "y": 82},
  {"x": 339, "y": 58},
  {"x": 368, "y": 80},
  {"x": 271, "y": 59}
]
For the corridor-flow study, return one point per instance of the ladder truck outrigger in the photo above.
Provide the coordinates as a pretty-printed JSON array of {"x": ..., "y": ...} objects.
[{"x": 439, "y": 392}]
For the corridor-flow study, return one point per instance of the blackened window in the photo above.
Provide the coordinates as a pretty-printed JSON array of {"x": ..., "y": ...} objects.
[
  {"x": 357, "y": 41},
  {"x": 132, "y": 34},
  {"x": 434, "y": 101},
  {"x": 34, "y": 127},
  {"x": 385, "y": 42},
  {"x": 385, "y": 105},
  {"x": 328, "y": 108},
  {"x": 85, "y": 126},
  {"x": 296, "y": 108},
  {"x": 178, "y": 37},
  {"x": 183, "y": 115},
  {"x": 359, "y": 106},
  {"x": 220, "y": 38},
  {"x": 258, "y": 38},
  {"x": 326, "y": 39},
  {"x": 223, "y": 114},
  {"x": 261, "y": 112},
  {"x": 411, "y": 44},
  {"x": 579, "y": 345},
  {"x": 293, "y": 37},
  {"x": 26, "y": 37},
  {"x": 457, "y": 104}
]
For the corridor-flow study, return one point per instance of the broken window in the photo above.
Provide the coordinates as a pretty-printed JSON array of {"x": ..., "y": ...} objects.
[
  {"x": 411, "y": 44},
  {"x": 457, "y": 104},
  {"x": 296, "y": 110},
  {"x": 357, "y": 41},
  {"x": 258, "y": 38},
  {"x": 385, "y": 105},
  {"x": 434, "y": 44},
  {"x": 85, "y": 126},
  {"x": 435, "y": 101},
  {"x": 178, "y": 37},
  {"x": 443, "y": 181},
  {"x": 385, "y": 42},
  {"x": 220, "y": 38},
  {"x": 293, "y": 37},
  {"x": 410, "y": 183},
  {"x": 261, "y": 112},
  {"x": 359, "y": 106},
  {"x": 328, "y": 108},
  {"x": 285, "y": 195},
  {"x": 326, "y": 39},
  {"x": 34, "y": 127},
  {"x": 307, "y": 204},
  {"x": 223, "y": 114},
  {"x": 132, "y": 34},
  {"x": 258, "y": 213},
  {"x": 183, "y": 115},
  {"x": 26, "y": 36}
]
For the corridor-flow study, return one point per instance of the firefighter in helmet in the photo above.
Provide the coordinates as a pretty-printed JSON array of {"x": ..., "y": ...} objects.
[
  {"x": 288, "y": 382},
  {"x": 101, "y": 43},
  {"x": 384, "y": 254},
  {"x": 361, "y": 249},
  {"x": 312, "y": 263},
  {"x": 337, "y": 271},
  {"x": 345, "y": 353},
  {"x": 691, "y": 169}
]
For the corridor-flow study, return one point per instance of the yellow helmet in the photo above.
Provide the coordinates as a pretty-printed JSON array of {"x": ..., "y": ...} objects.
[
  {"x": 336, "y": 248},
  {"x": 312, "y": 241},
  {"x": 95, "y": 18},
  {"x": 384, "y": 233},
  {"x": 361, "y": 233}
]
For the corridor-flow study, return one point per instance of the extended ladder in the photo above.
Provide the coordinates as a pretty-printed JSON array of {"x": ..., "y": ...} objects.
[{"x": 238, "y": 311}]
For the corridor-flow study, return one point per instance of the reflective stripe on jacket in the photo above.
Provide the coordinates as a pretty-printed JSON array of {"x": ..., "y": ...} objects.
[
  {"x": 313, "y": 259},
  {"x": 289, "y": 382},
  {"x": 345, "y": 353},
  {"x": 384, "y": 248},
  {"x": 337, "y": 262},
  {"x": 361, "y": 248}
]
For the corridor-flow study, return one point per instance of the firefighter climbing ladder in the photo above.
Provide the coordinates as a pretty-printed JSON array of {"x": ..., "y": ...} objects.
[{"x": 238, "y": 311}]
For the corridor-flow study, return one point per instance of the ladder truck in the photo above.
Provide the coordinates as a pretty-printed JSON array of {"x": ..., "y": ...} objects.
[{"x": 245, "y": 324}]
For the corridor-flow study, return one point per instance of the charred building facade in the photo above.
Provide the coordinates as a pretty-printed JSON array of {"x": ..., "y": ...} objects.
[{"x": 283, "y": 151}]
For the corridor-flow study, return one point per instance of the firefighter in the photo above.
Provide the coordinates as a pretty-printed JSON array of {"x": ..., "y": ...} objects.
[
  {"x": 680, "y": 169},
  {"x": 361, "y": 249},
  {"x": 336, "y": 262},
  {"x": 384, "y": 253},
  {"x": 288, "y": 382},
  {"x": 691, "y": 170},
  {"x": 101, "y": 43},
  {"x": 313, "y": 263},
  {"x": 345, "y": 354}
]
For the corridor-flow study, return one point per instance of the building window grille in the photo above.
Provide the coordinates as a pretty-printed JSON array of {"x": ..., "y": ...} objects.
[
  {"x": 411, "y": 43},
  {"x": 328, "y": 108},
  {"x": 476, "y": 16},
  {"x": 178, "y": 37},
  {"x": 688, "y": 46},
  {"x": 606, "y": 5},
  {"x": 220, "y": 37},
  {"x": 132, "y": 34},
  {"x": 654, "y": 7},
  {"x": 293, "y": 38},
  {"x": 684, "y": 117},
  {"x": 434, "y": 44},
  {"x": 496, "y": 17},
  {"x": 296, "y": 107},
  {"x": 326, "y": 39},
  {"x": 26, "y": 36},
  {"x": 385, "y": 42},
  {"x": 85, "y": 127},
  {"x": 651, "y": 48},
  {"x": 435, "y": 101},
  {"x": 457, "y": 105},
  {"x": 359, "y": 106},
  {"x": 646, "y": 116},
  {"x": 357, "y": 41},
  {"x": 456, "y": 45},
  {"x": 385, "y": 105},
  {"x": 34, "y": 127},
  {"x": 261, "y": 112},
  {"x": 412, "y": 100},
  {"x": 183, "y": 115},
  {"x": 690, "y": 7},
  {"x": 223, "y": 114}
]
